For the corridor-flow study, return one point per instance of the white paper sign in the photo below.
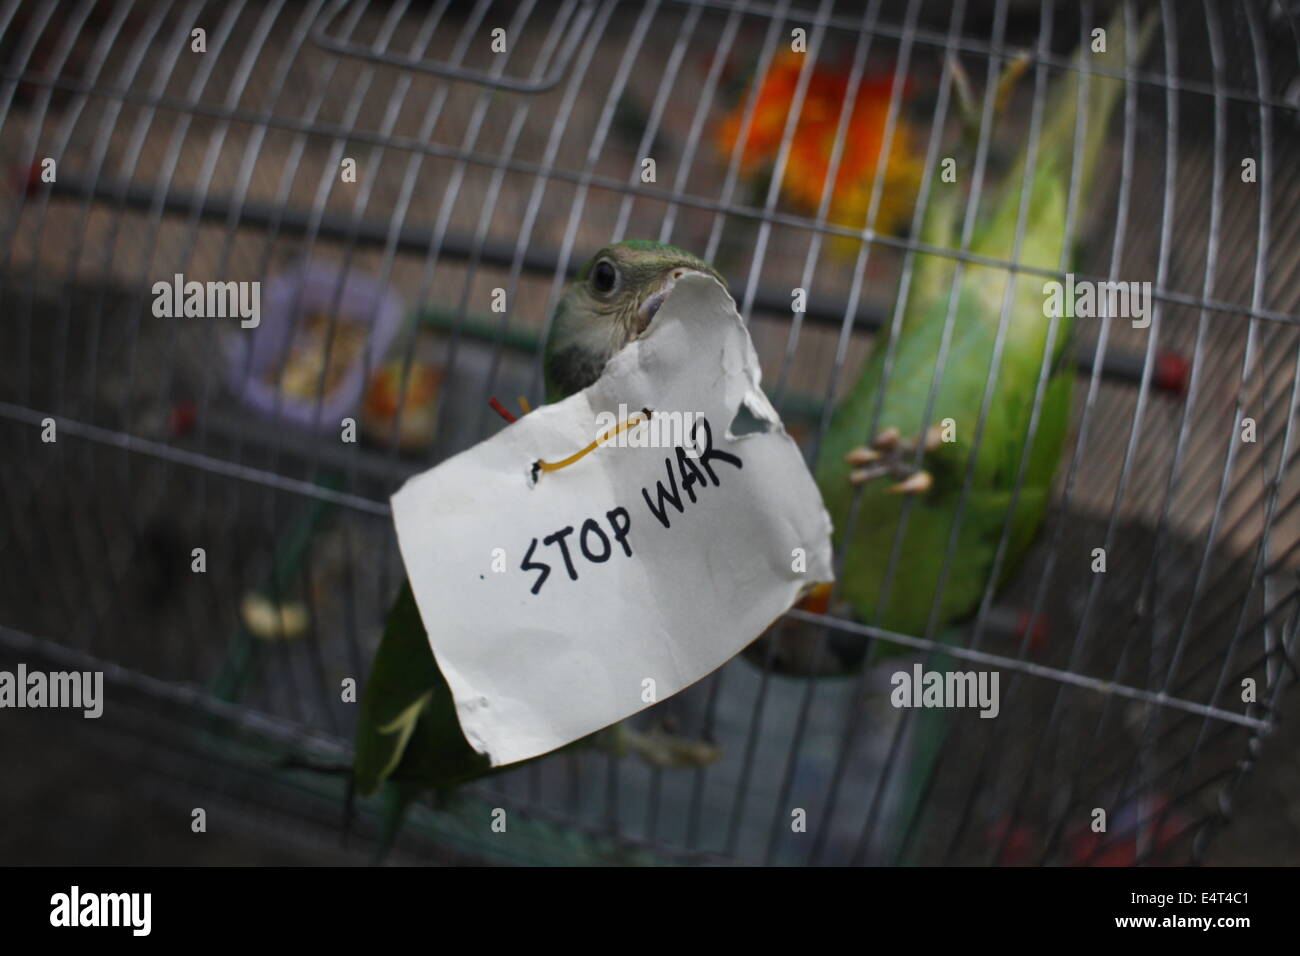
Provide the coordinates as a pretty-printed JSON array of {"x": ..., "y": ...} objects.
[{"x": 633, "y": 572}]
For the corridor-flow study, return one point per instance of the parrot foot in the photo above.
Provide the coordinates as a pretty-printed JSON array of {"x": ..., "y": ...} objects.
[
  {"x": 969, "y": 107},
  {"x": 659, "y": 748},
  {"x": 884, "y": 456},
  {"x": 917, "y": 483}
]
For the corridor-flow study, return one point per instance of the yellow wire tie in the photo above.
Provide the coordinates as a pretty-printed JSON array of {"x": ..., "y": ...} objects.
[{"x": 633, "y": 420}]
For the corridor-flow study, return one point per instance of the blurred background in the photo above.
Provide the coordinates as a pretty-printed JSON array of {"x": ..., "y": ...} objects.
[{"x": 477, "y": 170}]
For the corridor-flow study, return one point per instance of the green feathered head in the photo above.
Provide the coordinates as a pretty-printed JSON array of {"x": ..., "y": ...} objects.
[{"x": 609, "y": 303}]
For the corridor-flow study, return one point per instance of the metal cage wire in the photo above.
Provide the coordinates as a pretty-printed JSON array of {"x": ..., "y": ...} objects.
[{"x": 479, "y": 171}]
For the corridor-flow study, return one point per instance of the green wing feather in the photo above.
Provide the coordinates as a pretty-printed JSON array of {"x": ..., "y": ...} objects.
[{"x": 408, "y": 728}]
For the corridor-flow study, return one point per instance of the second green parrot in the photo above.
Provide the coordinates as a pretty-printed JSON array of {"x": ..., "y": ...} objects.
[{"x": 906, "y": 460}]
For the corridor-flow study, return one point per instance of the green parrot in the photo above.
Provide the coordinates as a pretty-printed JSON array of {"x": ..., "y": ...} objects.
[
  {"x": 916, "y": 463},
  {"x": 408, "y": 738}
]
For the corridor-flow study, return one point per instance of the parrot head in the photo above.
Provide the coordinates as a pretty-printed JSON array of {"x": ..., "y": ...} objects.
[{"x": 609, "y": 303}]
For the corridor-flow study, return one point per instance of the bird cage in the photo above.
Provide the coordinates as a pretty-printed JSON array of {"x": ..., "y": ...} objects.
[{"x": 180, "y": 516}]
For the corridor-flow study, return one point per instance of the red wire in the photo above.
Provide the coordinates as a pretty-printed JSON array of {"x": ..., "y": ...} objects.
[{"x": 500, "y": 410}]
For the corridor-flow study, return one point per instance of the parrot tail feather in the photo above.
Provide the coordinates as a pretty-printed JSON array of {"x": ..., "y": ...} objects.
[
  {"x": 397, "y": 798},
  {"x": 349, "y": 812}
]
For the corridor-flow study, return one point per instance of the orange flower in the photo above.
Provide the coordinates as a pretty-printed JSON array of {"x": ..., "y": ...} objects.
[{"x": 814, "y": 141}]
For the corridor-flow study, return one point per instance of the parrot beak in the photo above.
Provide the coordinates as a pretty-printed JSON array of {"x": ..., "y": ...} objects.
[{"x": 650, "y": 307}]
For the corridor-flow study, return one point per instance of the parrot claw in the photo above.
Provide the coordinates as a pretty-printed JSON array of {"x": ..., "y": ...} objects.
[
  {"x": 886, "y": 440},
  {"x": 885, "y": 456},
  {"x": 661, "y": 749},
  {"x": 930, "y": 441},
  {"x": 1009, "y": 78},
  {"x": 860, "y": 476},
  {"x": 917, "y": 483},
  {"x": 933, "y": 437},
  {"x": 969, "y": 107},
  {"x": 862, "y": 456}
]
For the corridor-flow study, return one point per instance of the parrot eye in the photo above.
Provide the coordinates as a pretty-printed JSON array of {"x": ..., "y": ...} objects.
[{"x": 604, "y": 276}]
